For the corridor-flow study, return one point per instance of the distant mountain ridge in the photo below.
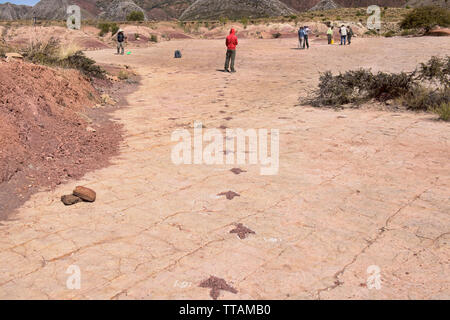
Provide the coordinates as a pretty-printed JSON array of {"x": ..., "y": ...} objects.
[
  {"x": 9, "y": 11},
  {"x": 170, "y": 9},
  {"x": 214, "y": 9}
]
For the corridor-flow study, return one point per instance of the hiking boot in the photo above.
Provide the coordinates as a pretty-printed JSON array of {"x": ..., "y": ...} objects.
[
  {"x": 233, "y": 71},
  {"x": 226, "y": 70}
]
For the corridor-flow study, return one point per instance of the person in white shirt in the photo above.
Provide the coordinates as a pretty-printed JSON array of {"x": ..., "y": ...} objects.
[
  {"x": 306, "y": 41},
  {"x": 343, "y": 32}
]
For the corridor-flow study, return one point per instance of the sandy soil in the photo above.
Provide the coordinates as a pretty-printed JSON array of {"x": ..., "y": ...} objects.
[{"x": 356, "y": 188}]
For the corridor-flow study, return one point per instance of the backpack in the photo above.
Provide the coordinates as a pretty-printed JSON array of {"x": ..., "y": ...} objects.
[
  {"x": 120, "y": 37},
  {"x": 177, "y": 54}
]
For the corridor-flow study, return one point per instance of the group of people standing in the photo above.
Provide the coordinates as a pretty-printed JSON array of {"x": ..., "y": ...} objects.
[
  {"x": 303, "y": 37},
  {"x": 346, "y": 33}
]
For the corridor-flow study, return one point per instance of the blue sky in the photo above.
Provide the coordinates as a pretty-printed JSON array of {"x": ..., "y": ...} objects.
[{"x": 27, "y": 2}]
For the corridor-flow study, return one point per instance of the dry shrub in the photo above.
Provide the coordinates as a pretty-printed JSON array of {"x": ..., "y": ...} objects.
[
  {"x": 443, "y": 111},
  {"x": 426, "y": 18},
  {"x": 425, "y": 89},
  {"x": 360, "y": 86},
  {"x": 50, "y": 53}
]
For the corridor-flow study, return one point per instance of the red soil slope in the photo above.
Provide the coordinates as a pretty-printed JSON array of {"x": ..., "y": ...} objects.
[{"x": 43, "y": 135}]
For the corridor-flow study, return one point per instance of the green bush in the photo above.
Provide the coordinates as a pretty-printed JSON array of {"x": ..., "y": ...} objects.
[
  {"x": 426, "y": 18},
  {"x": 443, "y": 111},
  {"x": 244, "y": 22},
  {"x": 104, "y": 28},
  {"x": 82, "y": 63},
  {"x": 223, "y": 20},
  {"x": 45, "y": 53},
  {"x": 389, "y": 34},
  {"x": 409, "y": 32},
  {"x": 123, "y": 75},
  {"x": 360, "y": 86},
  {"x": 136, "y": 16},
  {"x": 153, "y": 38},
  {"x": 114, "y": 28},
  {"x": 276, "y": 35},
  {"x": 370, "y": 32},
  {"x": 425, "y": 99},
  {"x": 436, "y": 70}
]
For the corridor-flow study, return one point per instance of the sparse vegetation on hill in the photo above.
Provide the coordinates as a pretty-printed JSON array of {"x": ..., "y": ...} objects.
[
  {"x": 425, "y": 89},
  {"x": 235, "y": 9},
  {"x": 106, "y": 27},
  {"x": 426, "y": 18}
]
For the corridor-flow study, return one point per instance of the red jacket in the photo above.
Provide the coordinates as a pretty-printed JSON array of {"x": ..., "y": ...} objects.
[{"x": 232, "y": 40}]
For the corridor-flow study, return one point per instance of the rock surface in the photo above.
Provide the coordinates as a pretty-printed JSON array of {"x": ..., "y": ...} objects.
[
  {"x": 70, "y": 199},
  {"x": 85, "y": 194},
  {"x": 367, "y": 190}
]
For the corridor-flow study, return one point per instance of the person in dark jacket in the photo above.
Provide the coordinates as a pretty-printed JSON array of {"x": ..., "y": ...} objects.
[
  {"x": 306, "y": 42},
  {"x": 120, "y": 40},
  {"x": 349, "y": 35},
  {"x": 231, "y": 43}
]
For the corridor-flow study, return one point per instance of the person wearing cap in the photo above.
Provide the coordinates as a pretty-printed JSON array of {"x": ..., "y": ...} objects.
[{"x": 120, "y": 40}]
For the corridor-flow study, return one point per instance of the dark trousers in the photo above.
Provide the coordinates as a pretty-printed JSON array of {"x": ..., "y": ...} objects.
[
  {"x": 231, "y": 57},
  {"x": 349, "y": 38},
  {"x": 343, "y": 40},
  {"x": 329, "y": 38},
  {"x": 306, "y": 42}
]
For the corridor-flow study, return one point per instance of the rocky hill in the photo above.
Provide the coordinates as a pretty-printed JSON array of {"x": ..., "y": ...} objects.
[
  {"x": 305, "y": 5},
  {"x": 418, "y": 3},
  {"x": 10, "y": 11},
  {"x": 170, "y": 9},
  {"x": 164, "y": 9},
  {"x": 325, "y": 5},
  {"x": 118, "y": 10},
  {"x": 214, "y": 9}
]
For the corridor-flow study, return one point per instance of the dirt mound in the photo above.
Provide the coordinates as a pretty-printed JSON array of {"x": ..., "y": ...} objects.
[{"x": 44, "y": 134}]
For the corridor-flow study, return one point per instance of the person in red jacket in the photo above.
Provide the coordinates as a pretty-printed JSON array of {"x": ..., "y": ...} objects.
[{"x": 231, "y": 43}]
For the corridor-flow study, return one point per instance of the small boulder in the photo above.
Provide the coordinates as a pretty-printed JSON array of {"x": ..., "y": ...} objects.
[
  {"x": 85, "y": 194},
  {"x": 70, "y": 199}
]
